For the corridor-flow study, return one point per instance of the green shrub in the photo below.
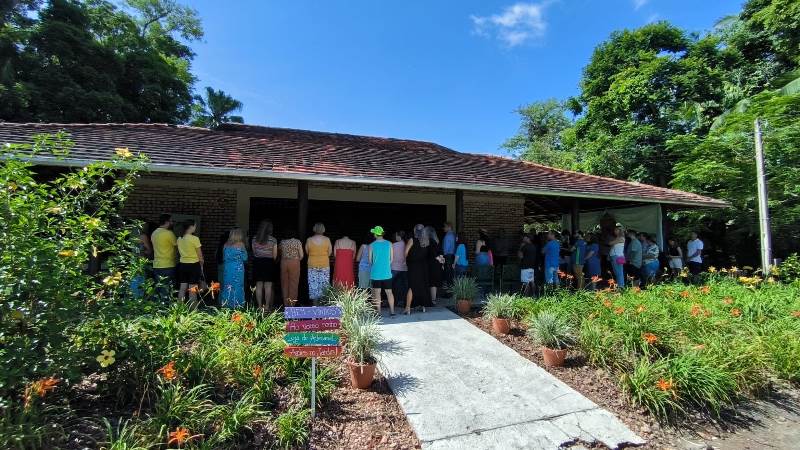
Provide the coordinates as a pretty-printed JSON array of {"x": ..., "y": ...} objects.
[
  {"x": 363, "y": 339},
  {"x": 293, "y": 428},
  {"x": 326, "y": 383},
  {"x": 789, "y": 270},
  {"x": 550, "y": 330}
]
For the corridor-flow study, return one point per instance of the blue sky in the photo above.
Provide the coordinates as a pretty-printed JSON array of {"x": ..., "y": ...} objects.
[{"x": 449, "y": 72}]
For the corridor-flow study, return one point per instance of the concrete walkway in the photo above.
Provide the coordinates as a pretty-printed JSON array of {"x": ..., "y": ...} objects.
[{"x": 462, "y": 389}]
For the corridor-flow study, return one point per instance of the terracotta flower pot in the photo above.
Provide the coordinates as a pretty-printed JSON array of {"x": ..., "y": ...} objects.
[
  {"x": 361, "y": 375},
  {"x": 554, "y": 358},
  {"x": 501, "y": 326},
  {"x": 463, "y": 306}
]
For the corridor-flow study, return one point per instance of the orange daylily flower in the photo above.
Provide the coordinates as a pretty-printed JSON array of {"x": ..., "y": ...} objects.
[
  {"x": 636, "y": 289},
  {"x": 179, "y": 436},
  {"x": 214, "y": 287},
  {"x": 640, "y": 309},
  {"x": 796, "y": 314},
  {"x": 619, "y": 310},
  {"x": 168, "y": 371},
  {"x": 665, "y": 385},
  {"x": 727, "y": 300},
  {"x": 607, "y": 303},
  {"x": 700, "y": 346},
  {"x": 705, "y": 289},
  {"x": 596, "y": 279},
  {"x": 686, "y": 294},
  {"x": 40, "y": 388},
  {"x": 236, "y": 317},
  {"x": 611, "y": 283},
  {"x": 650, "y": 338},
  {"x": 250, "y": 326},
  {"x": 561, "y": 274},
  {"x": 696, "y": 310},
  {"x": 257, "y": 370},
  {"x": 736, "y": 312}
]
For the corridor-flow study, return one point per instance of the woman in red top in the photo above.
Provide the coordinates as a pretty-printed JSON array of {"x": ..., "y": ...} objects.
[{"x": 344, "y": 251}]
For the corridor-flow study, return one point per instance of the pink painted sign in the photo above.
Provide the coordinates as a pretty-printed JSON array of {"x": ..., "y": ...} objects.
[{"x": 313, "y": 325}]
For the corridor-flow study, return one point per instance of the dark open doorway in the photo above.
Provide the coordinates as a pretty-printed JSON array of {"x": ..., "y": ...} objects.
[{"x": 353, "y": 219}]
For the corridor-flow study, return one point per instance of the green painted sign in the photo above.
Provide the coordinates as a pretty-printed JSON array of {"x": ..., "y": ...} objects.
[{"x": 311, "y": 339}]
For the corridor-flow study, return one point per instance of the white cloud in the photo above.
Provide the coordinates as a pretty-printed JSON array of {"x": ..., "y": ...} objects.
[
  {"x": 639, "y": 3},
  {"x": 515, "y": 25}
]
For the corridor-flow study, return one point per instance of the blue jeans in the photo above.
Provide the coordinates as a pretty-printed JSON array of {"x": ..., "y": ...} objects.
[
  {"x": 619, "y": 272},
  {"x": 551, "y": 274},
  {"x": 648, "y": 270},
  {"x": 165, "y": 282}
]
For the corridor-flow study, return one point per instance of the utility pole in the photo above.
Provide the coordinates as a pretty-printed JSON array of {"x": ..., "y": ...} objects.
[{"x": 763, "y": 205}]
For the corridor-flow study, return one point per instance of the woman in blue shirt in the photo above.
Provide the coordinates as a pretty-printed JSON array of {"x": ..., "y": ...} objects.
[
  {"x": 551, "y": 252},
  {"x": 461, "y": 263},
  {"x": 592, "y": 257},
  {"x": 380, "y": 258}
]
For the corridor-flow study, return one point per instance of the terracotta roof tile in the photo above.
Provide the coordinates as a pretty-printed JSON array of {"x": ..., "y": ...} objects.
[{"x": 248, "y": 150}]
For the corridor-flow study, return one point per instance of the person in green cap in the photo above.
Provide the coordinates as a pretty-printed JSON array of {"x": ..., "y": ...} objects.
[{"x": 380, "y": 257}]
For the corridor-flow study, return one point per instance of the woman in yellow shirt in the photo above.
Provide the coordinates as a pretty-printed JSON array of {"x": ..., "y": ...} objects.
[
  {"x": 190, "y": 266},
  {"x": 319, "y": 249}
]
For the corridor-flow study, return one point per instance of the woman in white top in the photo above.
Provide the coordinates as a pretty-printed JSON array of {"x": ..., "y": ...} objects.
[{"x": 617, "y": 256}]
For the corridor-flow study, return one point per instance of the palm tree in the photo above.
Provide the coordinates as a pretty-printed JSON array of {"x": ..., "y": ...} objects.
[{"x": 215, "y": 109}]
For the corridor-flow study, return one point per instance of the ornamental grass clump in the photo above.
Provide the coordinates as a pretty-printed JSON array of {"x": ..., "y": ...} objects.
[
  {"x": 363, "y": 339},
  {"x": 549, "y": 330},
  {"x": 355, "y": 303},
  {"x": 464, "y": 288},
  {"x": 502, "y": 306}
]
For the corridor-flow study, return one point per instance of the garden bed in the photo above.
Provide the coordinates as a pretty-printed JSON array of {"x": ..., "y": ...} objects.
[
  {"x": 361, "y": 419},
  {"x": 681, "y": 364}
]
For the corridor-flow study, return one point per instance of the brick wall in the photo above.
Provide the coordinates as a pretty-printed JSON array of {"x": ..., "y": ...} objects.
[
  {"x": 216, "y": 208},
  {"x": 502, "y": 215}
]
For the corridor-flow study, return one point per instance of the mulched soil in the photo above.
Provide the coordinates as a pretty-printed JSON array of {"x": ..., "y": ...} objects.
[{"x": 361, "y": 419}]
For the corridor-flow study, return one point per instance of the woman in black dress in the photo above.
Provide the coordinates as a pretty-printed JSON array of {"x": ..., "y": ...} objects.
[
  {"x": 435, "y": 262},
  {"x": 417, "y": 261}
]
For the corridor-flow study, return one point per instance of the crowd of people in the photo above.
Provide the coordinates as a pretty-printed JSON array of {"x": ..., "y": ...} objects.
[
  {"x": 410, "y": 270},
  {"x": 624, "y": 256}
]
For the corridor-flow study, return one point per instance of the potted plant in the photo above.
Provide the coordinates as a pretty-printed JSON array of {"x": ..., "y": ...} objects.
[
  {"x": 464, "y": 290},
  {"x": 553, "y": 334},
  {"x": 501, "y": 308},
  {"x": 354, "y": 303},
  {"x": 363, "y": 339}
]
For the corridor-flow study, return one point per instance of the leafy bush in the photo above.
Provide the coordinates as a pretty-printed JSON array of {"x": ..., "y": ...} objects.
[
  {"x": 550, "y": 330},
  {"x": 464, "y": 288},
  {"x": 293, "y": 428},
  {"x": 789, "y": 270},
  {"x": 502, "y": 306},
  {"x": 679, "y": 348}
]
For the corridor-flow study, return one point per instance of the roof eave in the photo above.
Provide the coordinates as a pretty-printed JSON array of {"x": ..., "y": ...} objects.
[{"x": 474, "y": 187}]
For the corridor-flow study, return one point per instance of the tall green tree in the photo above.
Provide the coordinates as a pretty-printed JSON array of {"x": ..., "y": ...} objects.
[
  {"x": 539, "y": 138},
  {"x": 91, "y": 61},
  {"x": 215, "y": 109}
]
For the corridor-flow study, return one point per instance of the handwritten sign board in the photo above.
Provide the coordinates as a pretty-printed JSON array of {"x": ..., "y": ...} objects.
[
  {"x": 313, "y": 325},
  {"x": 312, "y": 339},
  {"x": 314, "y": 351},
  {"x": 312, "y": 312},
  {"x": 305, "y": 340}
]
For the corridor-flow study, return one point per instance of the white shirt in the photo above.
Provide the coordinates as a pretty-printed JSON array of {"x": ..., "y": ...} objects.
[{"x": 692, "y": 247}]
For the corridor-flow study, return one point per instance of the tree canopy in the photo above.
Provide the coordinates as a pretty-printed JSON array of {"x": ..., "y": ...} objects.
[
  {"x": 666, "y": 106},
  {"x": 97, "y": 61}
]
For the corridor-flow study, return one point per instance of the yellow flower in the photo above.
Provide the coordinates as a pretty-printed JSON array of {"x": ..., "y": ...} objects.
[
  {"x": 106, "y": 358},
  {"x": 771, "y": 280},
  {"x": 774, "y": 270},
  {"x": 67, "y": 253},
  {"x": 113, "y": 280},
  {"x": 93, "y": 222},
  {"x": 12, "y": 186},
  {"x": 123, "y": 152},
  {"x": 712, "y": 269},
  {"x": 723, "y": 270},
  {"x": 54, "y": 210}
]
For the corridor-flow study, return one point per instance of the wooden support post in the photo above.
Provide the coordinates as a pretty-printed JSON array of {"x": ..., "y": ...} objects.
[
  {"x": 459, "y": 211},
  {"x": 575, "y": 216},
  {"x": 302, "y": 210}
]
